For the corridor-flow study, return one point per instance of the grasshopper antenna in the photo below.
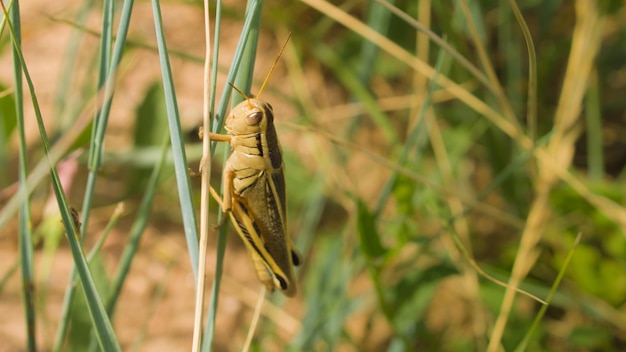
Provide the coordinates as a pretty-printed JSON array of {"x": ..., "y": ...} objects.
[
  {"x": 241, "y": 93},
  {"x": 273, "y": 66}
]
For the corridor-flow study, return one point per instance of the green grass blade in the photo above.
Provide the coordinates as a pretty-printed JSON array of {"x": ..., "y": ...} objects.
[
  {"x": 106, "y": 80},
  {"x": 103, "y": 327},
  {"x": 377, "y": 19},
  {"x": 542, "y": 311},
  {"x": 531, "y": 115},
  {"x": 95, "y": 155},
  {"x": 251, "y": 20},
  {"x": 233, "y": 72},
  {"x": 177, "y": 142},
  {"x": 245, "y": 72},
  {"x": 25, "y": 221}
]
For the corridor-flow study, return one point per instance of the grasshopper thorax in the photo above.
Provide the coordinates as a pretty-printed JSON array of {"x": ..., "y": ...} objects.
[{"x": 250, "y": 116}]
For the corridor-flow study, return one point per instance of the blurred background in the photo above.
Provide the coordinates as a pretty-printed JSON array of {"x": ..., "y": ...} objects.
[{"x": 449, "y": 188}]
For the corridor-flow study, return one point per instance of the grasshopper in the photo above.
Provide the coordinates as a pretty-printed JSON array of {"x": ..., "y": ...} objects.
[{"x": 253, "y": 181}]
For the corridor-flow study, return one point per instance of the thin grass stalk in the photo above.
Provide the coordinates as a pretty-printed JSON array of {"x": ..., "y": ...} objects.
[
  {"x": 205, "y": 169},
  {"x": 115, "y": 217},
  {"x": 488, "y": 67},
  {"x": 253, "y": 10},
  {"x": 104, "y": 74},
  {"x": 553, "y": 289},
  {"x": 207, "y": 341},
  {"x": 245, "y": 73},
  {"x": 251, "y": 13},
  {"x": 255, "y": 320},
  {"x": 531, "y": 114},
  {"x": 378, "y": 20},
  {"x": 107, "y": 71},
  {"x": 25, "y": 222},
  {"x": 422, "y": 51},
  {"x": 103, "y": 326},
  {"x": 585, "y": 46},
  {"x": 177, "y": 142}
]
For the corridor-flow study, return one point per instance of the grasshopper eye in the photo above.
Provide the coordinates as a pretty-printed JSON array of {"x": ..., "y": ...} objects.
[{"x": 254, "y": 118}]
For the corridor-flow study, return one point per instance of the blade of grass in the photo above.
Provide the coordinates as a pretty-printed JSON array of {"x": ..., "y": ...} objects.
[
  {"x": 487, "y": 66},
  {"x": 255, "y": 320},
  {"x": 177, "y": 142},
  {"x": 205, "y": 169},
  {"x": 25, "y": 222},
  {"x": 107, "y": 71},
  {"x": 531, "y": 115},
  {"x": 252, "y": 13},
  {"x": 584, "y": 49},
  {"x": 103, "y": 327},
  {"x": 233, "y": 72},
  {"x": 378, "y": 20},
  {"x": 542, "y": 311}
]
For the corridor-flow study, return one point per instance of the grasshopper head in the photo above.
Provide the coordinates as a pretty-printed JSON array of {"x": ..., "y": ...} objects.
[{"x": 249, "y": 116}]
